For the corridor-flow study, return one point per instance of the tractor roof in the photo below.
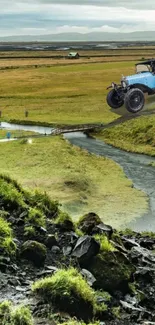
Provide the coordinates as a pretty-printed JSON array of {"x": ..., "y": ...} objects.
[{"x": 149, "y": 62}]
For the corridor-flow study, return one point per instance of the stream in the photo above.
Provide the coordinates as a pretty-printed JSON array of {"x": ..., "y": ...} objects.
[{"x": 136, "y": 167}]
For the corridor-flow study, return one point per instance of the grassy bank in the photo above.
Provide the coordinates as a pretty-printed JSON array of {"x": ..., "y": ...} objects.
[
  {"x": 80, "y": 181},
  {"x": 137, "y": 135}
]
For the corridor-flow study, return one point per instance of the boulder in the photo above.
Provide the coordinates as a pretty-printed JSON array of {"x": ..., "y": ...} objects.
[
  {"x": 88, "y": 222},
  {"x": 34, "y": 252},
  {"x": 112, "y": 271},
  {"x": 85, "y": 248}
]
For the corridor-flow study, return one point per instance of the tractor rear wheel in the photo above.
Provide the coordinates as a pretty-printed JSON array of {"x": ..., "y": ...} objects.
[
  {"x": 114, "y": 100},
  {"x": 134, "y": 100}
]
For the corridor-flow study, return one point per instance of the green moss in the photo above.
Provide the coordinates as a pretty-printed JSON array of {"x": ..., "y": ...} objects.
[
  {"x": 6, "y": 241},
  {"x": 149, "y": 234},
  {"x": 116, "y": 312},
  {"x": 5, "y": 229},
  {"x": 34, "y": 252},
  {"x": 64, "y": 220},
  {"x": 128, "y": 232},
  {"x": 21, "y": 316},
  {"x": 36, "y": 217},
  {"x": 9, "y": 315},
  {"x": 67, "y": 289},
  {"x": 105, "y": 244},
  {"x": 29, "y": 231},
  {"x": 43, "y": 202},
  {"x": 112, "y": 271},
  {"x": 87, "y": 222},
  {"x": 10, "y": 197},
  {"x": 5, "y": 308}
]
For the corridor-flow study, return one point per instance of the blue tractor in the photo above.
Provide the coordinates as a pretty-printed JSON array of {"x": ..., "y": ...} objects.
[{"x": 131, "y": 92}]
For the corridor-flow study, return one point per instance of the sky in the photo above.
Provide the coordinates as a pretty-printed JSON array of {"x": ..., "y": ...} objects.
[{"x": 41, "y": 17}]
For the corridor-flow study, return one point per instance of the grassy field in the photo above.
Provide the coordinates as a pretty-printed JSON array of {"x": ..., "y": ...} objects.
[
  {"x": 80, "y": 181},
  {"x": 68, "y": 94},
  {"x": 137, "y": 135}
]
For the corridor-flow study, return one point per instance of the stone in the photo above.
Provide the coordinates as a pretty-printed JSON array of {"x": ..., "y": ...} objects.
[
  {"x": 88, "y": 276},
  {"x": 88, "y": 222},
  {"x": 51, "y": 241},
  {"x": 55, "y": 249},
  {"x": 34, "y": 252},
  {"x": 67, "y": 250},
  {"x": 86, "y": 248},
  {"x": 103, "y": 229}
]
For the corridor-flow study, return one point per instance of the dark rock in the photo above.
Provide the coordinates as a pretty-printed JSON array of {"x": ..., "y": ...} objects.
[
  {"x": 103, "y": 229},
  {"x": 34, "y": 252},
  {"x": 138, "y": 253},
  {"x": 51, "y": 241},
  {"x": 85, "y": 248},
  {"x": 129, "y": 243},
  {"x": 67, "y": 250},
  {"x": 66, "y": 225},
  {"x": 55, "y": 249},
  {"x": 147, "y": 242},
  {"x": 130, "y": 307},
  {"x": 88, "y": 222},
  {"x": 88, "y": 276}
]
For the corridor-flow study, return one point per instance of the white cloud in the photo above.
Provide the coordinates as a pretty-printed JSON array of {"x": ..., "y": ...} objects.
[{"x": 83, "y": 16}]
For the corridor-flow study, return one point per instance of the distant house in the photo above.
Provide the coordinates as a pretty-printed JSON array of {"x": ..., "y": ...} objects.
[{"x": 73, "y": 55}]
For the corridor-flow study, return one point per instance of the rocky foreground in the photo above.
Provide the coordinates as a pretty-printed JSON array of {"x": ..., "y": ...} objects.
[{"x": 53, "y": 271}]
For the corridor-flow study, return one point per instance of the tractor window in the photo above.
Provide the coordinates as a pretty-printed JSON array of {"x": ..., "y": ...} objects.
[{"x": 142, "y": 68}]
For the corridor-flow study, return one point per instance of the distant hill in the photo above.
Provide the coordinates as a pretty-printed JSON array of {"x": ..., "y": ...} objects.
[{"x": 99, "y": 36}]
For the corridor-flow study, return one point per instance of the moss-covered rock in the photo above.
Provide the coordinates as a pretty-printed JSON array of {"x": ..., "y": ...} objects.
[
  {"x": 64, "y": 221},
  {"x": 112, "y": 271},
  {"x": 87, "y": 222},
  {"x": 68, "y": 291},
  {"x": 34, "y": 252}
]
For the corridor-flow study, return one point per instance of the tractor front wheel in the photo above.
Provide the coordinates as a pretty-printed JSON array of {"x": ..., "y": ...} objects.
[
  {"x": 134, "y": 100},
  {"x": 114, "y": 100}
]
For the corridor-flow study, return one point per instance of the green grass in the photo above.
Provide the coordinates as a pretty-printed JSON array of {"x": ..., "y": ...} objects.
[
  {"x": 65, "y": 289},
  {"x": 81, "y": 182},
  {"x": 135, "y": 135},
  {"x": 105, "y": 244},
  {"x": 15, "y": 133},
  {"x": 10, "y": 315},
  {"x": 6, "y": 239},
  {"x": 60, "y": 94}
]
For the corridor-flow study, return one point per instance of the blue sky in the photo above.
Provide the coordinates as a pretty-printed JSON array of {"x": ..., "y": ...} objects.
[{"x": 39, "y": 17}]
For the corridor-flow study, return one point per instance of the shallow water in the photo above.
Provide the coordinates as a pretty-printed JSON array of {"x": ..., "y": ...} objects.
[{"x": 33, "y": 128}]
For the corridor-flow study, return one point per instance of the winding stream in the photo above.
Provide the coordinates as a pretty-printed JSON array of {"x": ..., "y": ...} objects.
[{"x": 136, "y": 167}]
